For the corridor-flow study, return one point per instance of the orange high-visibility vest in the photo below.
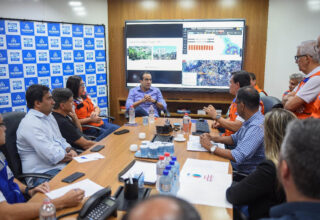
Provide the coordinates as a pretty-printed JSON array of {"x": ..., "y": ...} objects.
[
  {"x": 260, "y": 90},
  {"x": 316, "y": 108}
]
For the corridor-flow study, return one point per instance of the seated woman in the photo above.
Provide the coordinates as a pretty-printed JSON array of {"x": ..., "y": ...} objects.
[
  {"x": 261, "y": 189},
  {"x": 86, "y": 111}
]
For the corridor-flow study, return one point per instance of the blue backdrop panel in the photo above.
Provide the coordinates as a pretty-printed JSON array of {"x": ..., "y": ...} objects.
[{"x": 48, "y": 53}]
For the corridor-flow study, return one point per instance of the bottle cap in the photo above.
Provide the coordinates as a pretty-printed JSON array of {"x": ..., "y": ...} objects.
[
  {"x": 171, "y": 163},
  {"x": 174, "y": 158},
  {"x": 166, "y": 154},
  {"x": 161, "y": 157},
  {"x": 165, "y": 172},
  {"x": 168, "y": 167}
]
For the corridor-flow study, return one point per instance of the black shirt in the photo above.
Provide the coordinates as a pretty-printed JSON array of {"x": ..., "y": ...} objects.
[
  {"x": 68, "y": 129},
  {"x": 260, "y": 191}
]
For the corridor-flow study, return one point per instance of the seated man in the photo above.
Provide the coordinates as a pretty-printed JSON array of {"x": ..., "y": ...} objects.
[
  {"x": 248, "y": 141},
  {"x": 233, "y": 123},
  {"x": 12, "y": 204},
  {"x": 253, "y": 82},
  {"x": 294, "y": 80},
  {"x": 301, "y": 100},
  {"x": 161, "y": 207},
  {"x": 41, "y": 147},
  {"x": 144, "y": 95},
  {"x": 67, "y": 119},
  {"x": 298, "y": 172}
]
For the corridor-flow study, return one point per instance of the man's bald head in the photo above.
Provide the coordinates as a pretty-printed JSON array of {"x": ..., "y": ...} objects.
[{"x": 162, "y": 207}]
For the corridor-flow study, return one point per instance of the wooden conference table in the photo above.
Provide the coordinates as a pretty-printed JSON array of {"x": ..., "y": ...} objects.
[{"x": 117, "y": 156}]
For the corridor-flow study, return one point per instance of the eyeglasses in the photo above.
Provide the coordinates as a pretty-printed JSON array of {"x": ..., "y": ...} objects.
[{"x": 298, "y": 56}]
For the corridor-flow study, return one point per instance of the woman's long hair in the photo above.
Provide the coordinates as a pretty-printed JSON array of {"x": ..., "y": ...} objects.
[{"x": 73, "y": 83}]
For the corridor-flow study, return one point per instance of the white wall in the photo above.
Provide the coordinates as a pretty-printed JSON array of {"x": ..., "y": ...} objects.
[{"x": 289, "y": 23}]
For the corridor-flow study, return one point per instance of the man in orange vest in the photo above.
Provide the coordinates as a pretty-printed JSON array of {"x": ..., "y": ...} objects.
[
  {"x": 253, "y": 82},
  {"x": 301, "y": 100},
  {"x": 233, "y": 122}
]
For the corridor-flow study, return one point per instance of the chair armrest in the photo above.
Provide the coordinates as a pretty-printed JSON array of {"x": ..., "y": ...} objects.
[
  {"x": 90, "y": 126},
  {"x": 107, "y": 117},
  {"x": 37, "y": 175},
  {"x": 238, "y": 176}
]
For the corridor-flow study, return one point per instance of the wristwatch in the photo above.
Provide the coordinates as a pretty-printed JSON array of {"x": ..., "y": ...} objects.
[
  {"x": 213, "y": 148},
  {"x": 218, "y": 116}
]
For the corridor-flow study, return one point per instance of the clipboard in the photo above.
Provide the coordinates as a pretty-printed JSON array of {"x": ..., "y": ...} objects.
[{"x": 149, "y": 169}]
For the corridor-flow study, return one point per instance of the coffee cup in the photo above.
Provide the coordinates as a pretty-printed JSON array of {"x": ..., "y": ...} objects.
[
  {"x": 142, "y": 135},
  {"x": 180, "y": 136},
  {"x": 133, "y": 147}
]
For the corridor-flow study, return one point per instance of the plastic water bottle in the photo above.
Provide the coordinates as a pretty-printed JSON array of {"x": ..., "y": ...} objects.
[
  {"x": 177, "y": 173},
  {"x": 160, "y": 167},
  {"x": 167, "y": 158},
  {"x": 186, "y": 123},
  {"x": 174, "y": 188},
  {"x": 173, "y": 158},
  {"x": 47, "y": 210},
  {"x": 151, "y": 114},
  {"x": 141, "y": 181},
  {"x": 165, "y": 183},
  {"x": 169, "y": 168},
  {"x": 131, "y": 115}
]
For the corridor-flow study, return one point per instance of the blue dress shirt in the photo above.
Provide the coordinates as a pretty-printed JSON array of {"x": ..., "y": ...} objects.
[
  {"x": 40, "y": 144},
  {"x": 249, "y": 151},
  {"x": 137, "y": 94}
]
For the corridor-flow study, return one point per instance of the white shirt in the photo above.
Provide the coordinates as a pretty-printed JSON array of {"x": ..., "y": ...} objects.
[
  {"x": 311, "y": 89},
  {"x": 40, "y": 144}
]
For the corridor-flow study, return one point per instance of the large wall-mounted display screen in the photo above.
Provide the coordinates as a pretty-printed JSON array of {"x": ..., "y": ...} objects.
[{"x": 196, "y": 55}]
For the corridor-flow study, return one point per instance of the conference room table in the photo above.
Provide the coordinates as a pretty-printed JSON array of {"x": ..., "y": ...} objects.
[{"x": 118, "y": 155}]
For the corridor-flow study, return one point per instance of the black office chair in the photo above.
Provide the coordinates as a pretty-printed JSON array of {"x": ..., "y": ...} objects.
[
  {"x": 110, "y": 120},
  {"x": 270, "y": 102},
  {"x": 12, "y": 121}
]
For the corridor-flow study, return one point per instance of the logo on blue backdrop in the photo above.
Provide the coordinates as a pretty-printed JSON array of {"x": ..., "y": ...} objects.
[
  {"x": 18, "y": 99},
  {"x": 101, "y": 79},
  {"x": 30, "y": 70},
  {"x": 40, "y": 28},
  {"x": 100, "y": 55},
  {"x": 4, "y": 73},
  {"x": 29, "y": 56},
  {"x": 90, "y": 68},
  {"x": 66, "y": 43},
  {"x": 28, "y": 42},
  {"x": 77, "y": 30},
  {"x": 16, "y": 70},
  {"x": 78, "y": 55},
  {"x": 88, "y": 31},
  {"x": 19, "y": 109},
  {"x": 54, "y": 43},
  {"x": 43, "y": 69},
  {"x": 67, "y": 56},
  {"x": 89, "y": 56},
  {"x": 102, "y": 90},
  {"x": 5, "y": 100},
  {"x": 79, "y": 68},
  {"x": 102, "y": 101},
  {"x": 17, "y": 85},
  {"x": 99, "y": 44},
  {"x": 2, "y": 29},
  {"x": 56, "y": 69},
  {"x": 57, "y": 82},
  {"x": 42, "y": 43},
  {"x": 88, "y": 43},
  {"x": 3, "y": 42},
  {"x": 55, "y": 56},
  {"x": 78, "y": 43},
  {"x": 101, "y": 67},
  {"x": 92, "y": 91},
  {"x": 42, "y": 56},
  {"x": 66, "y": 30},
  {"x": 30, "y": 81},
  {"x": 12, "y": 27},
  {"x": 13, "y": 42},
  {"x": 99, "y": 31},
  {"x": 44, "y": 81},
  {"x": 15, "y": 56},
  {"x": 91, "y": 80},
  {"x": 3, "y": 57},
  {"x": 26, "y": 28},
  {"x": 53, "y": 29},
  {"x": 67, "y": 68},
  {"x": 5, "y": 110},
  {"x": 4, "y": 86}
]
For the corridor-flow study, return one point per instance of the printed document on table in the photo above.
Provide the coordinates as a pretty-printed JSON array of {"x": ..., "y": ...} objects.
[
  {"x": 87, "y": 185},
  {"x": 194, "y": 144},
  {"x": 88, "y": 157},
  {"x": 149, "y": 171},
  {"x": 205, "y": 182}
]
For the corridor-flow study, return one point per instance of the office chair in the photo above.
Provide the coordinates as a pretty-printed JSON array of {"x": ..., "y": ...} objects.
[
  {"x": 110, "y": 120},
  {"x": 12, "y": 121},
  {"x": 269, "y": 102}
]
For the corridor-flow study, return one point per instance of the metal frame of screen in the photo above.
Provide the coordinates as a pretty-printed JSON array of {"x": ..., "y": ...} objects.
[{"x": 186, "y": 88}]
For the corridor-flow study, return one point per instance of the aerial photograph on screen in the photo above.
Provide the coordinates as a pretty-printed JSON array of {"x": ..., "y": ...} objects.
[
  {"x": 164, "y": 52},
  {"x": 212, "y": 72},
  {"x": 139, "y": 53}
]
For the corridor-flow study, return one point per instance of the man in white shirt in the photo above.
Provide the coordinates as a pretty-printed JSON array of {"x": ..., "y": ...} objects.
[
  {"x": 41, "y": 147},
  {"x": 301, "y": 100}
]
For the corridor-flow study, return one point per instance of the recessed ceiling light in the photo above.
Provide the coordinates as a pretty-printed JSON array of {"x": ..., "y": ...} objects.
[
  {"x": 78, "y": 9},
  {"x": 75, "y": 3}
]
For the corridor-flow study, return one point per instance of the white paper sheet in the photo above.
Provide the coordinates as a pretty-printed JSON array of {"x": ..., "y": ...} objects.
[
  {"x": 194, "y": 144},
  {"x": 88, "y": 157},
  {"x": 205, "y": 182},
  {"x": 149, "y": 171},
  {"x": 87, "y": 185}
]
